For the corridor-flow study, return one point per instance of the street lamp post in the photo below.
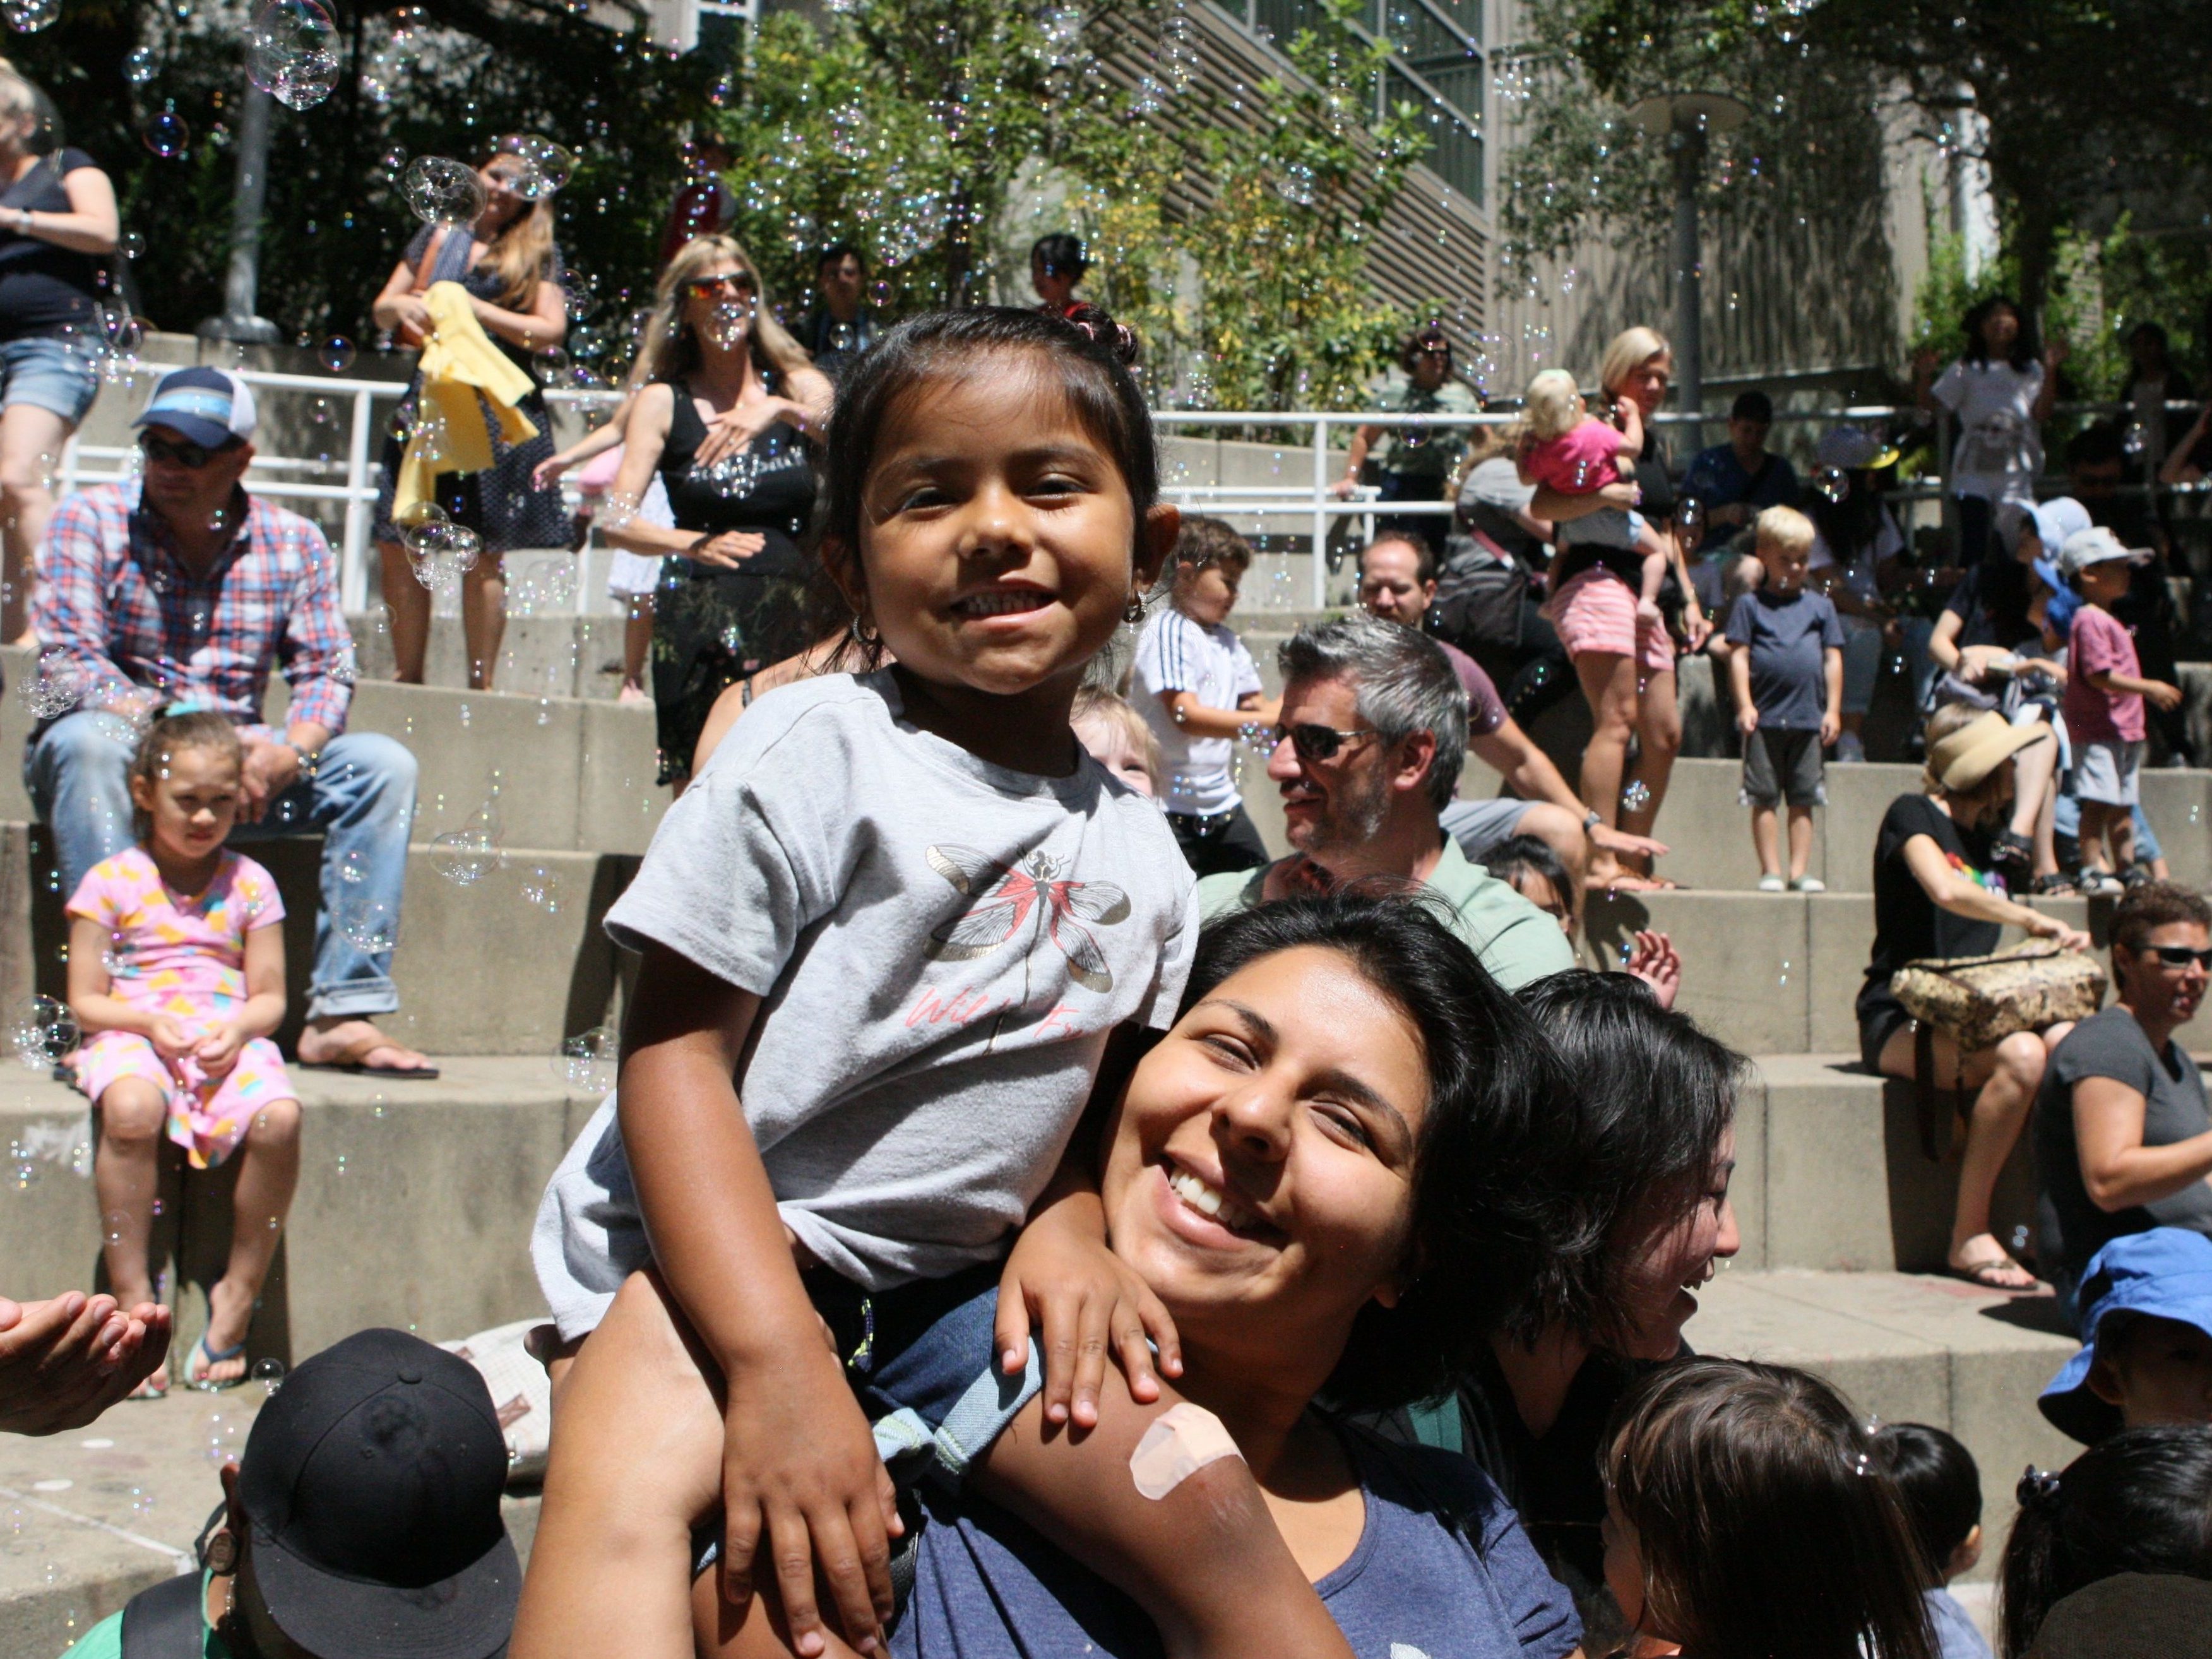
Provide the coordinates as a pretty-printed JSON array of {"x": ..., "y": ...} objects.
[
  {"x": 1687, "y": 121},
  {"x": 242, "y": 283}
]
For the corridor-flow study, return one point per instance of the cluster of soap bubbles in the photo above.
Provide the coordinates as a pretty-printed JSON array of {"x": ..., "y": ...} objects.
[
  {"x": 440, "y": 190},
  {"x": 43, "y": 1031},
  {"x": 546, "y": 166},
  {"x": 29, "y": 16},
  {"x": 546, "y": 588},
  {"x": 731, "y": 476},
  {"x": 439, "y": 551},
  {"x": 290, "y": 52},
  {"x": 56, "y": 687},
  {"x": 588, "y": 1061},
  {"x": 464, "y": 856},
  {"x": 1635, "y": 796}
]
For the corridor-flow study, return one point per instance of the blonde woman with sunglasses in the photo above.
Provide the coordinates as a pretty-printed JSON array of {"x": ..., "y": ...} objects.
[{"x": 728, "y": 412}]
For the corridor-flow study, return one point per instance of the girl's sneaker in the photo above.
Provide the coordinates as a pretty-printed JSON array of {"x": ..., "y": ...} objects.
[
  {"x": 1773, "y": 885},
  {"x": 1808, "y": 884},
  {"x": 2100, "y": 884},
  {"x": 1849, "y": 751}
]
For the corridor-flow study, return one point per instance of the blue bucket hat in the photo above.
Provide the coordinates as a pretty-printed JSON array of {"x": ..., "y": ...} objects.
[
  {"x": 2063, "y": 602},
  {"x": 2166, "y": 1272}
]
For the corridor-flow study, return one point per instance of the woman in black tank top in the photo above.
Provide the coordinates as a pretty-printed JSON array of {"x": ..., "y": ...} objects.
[{"x": 727, "y": 417}]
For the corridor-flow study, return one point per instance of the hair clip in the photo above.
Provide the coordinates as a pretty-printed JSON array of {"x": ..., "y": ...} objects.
[
  {"x": 186, "y": 706},
  {"x": 2036, "y": 1486}
]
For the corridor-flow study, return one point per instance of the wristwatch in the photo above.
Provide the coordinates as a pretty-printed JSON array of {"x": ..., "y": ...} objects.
[
  {"x": 1591, "y": 819},
  {"x": 23, "y": 221}
]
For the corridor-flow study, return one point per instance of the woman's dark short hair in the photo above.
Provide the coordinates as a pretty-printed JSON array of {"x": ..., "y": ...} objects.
[
  {"x": 2139, "y": 1502},
  {"x": 1062, "y": 254},
  {"x": 1086, "y": 356},
  {"x": 2026, "y": 348},
  {"x": 1652, "y": 1099},
  {"x": 2155, "y": 905},
  {"x": 1764, "y": 1525},
  {"x": 1430, "y": 339},
  {"x": 1939, "y": 1485},
  {"x": 836, "y": 251},
  {"x": 1483, "y": 1215}
]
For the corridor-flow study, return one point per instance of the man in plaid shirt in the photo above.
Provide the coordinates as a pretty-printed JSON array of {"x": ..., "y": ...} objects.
[{"x": 182, "y": 586}]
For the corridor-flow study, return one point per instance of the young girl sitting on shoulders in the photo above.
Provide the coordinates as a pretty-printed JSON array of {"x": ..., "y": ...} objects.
[
  {"x": 1749, "y": 1517},
  {"x": 176, "y": 975},
  {"x": 886, "y": 936},
  {"x": 1576, "y": 453}
]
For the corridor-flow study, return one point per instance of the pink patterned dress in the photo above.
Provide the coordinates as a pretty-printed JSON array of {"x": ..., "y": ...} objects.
[{"x": 186, "y": 958}]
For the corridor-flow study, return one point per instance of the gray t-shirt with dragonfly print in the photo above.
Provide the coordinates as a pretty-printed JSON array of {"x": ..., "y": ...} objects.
[{"x": 941, "y": 946}]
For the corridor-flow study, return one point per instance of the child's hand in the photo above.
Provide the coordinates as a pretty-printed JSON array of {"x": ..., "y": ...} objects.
[
  {"x": 803, "y": 1490},
  {"x": 171, "y": 1037},
  {"x": 1747, "y": 720},
  {"x": 1647, "y": 611},
  {"x": 1656, "y": 962},
  {"x": 1832, "y": 727},
  {"x": 1084, "y": 1301},
  {"x": 218, "y": 1053},
  {"x": 2162, "y": 696}
]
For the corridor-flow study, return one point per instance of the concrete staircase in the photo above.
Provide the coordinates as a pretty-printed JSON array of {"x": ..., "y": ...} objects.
[{"x": 416, "y": 1199}]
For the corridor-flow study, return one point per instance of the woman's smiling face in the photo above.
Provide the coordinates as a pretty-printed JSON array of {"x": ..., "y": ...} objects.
[{"x": 1260, "y": 1172}]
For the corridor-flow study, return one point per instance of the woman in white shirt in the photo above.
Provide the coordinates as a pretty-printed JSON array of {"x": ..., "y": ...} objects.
[{"x": 2000, "y": 392}]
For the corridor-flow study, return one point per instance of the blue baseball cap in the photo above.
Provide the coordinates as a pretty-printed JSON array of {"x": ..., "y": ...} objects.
[
  {"x": 2166, "y": 1272},
  {"x": 2053, "y": 521},
  {"x": 210, "y": 407}
]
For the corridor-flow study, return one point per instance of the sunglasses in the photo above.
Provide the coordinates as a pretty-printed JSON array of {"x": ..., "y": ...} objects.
[
  {"x": 735, "y": 280},
  {"x": 1318, "y": 743},
  {"x": 183, "y": 452},
  {"x": 2180, "y": 956}
]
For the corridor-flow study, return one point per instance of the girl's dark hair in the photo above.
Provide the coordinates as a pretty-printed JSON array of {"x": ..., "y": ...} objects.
[
  {"x": 1938, "y": 1485},
  {"x": 1483, "y": 1210},
  {"x": 2139, "y": 1502},
  {"x": 2025, "y": 347},
  {"x": 1766, "y": 1527},
  {"x": 1086, "y": 354},
  {"x": 1062, "y": 254},
  {"x": 191, "y": 728},
  {"x": 1533, "y": 855},
  {"x": 1653, "y": 1098}
]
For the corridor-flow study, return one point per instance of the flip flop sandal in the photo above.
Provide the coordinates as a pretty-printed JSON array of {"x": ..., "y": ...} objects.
[
  {"x": 202, "y": 1353},
  {"x": 155, "y": 1385},
  {"x": 1979, "y": 1275},
  {"x": 358, "y": 1068}
]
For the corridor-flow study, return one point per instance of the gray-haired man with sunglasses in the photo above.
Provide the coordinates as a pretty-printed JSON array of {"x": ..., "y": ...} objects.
[
  {"x": 1367, "y": 754},
  {"x": 2123, "y": 1137}
]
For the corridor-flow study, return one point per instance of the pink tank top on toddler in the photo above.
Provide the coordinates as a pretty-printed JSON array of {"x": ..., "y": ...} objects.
[{"x": 1580, "y": 462}]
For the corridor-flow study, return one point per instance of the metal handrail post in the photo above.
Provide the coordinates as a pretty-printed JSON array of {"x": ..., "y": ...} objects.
[
  {"x": 353, "y": 559},
  {"x": 1320, "y": 573}
]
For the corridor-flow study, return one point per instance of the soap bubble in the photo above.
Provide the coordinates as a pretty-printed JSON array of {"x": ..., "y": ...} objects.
[
  {"x": 440, "y": 552},
  {"x": 616, "y": 510},
  {"x": 463, "y": 857},
  {"x": 167, "y": 135},
  {"x": 588, "y": 1061},
  {"x": 2132, "y": 440},
  {"x": 29, "y": 16},
  {"x": 140, "y": 65},
  {"x": 54, "y": 688},
  {"x": 269, "y": 1373},
  {"x": 546, "y": 167},
  {"x": 1689, "y": 514},
  {"x": 439, "y": 190},
  {"x": 1636, "y": 795},
  {"x": 1832, "y": 484},
  {"x": 394, "y": 162},
  {"x": 542, "y": 887},
  {"x": 288, "y": 52},
  {"x": 223, "y": 1436},
  {"x": 353, "y": 869},
  {"x": 369, "y": 927},
  {"x": 42, "y": 1031},
  {"x": 336, "y": 354}
]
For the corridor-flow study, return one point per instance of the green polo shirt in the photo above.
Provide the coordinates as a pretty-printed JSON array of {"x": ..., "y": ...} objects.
[{"x": 1516, "y": 941}]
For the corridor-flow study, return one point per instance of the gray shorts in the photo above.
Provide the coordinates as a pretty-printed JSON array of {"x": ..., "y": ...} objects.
[
  {"x": 2108, "y": 773},
  {"x": 1779, "y": 766},
  {"x": 1482, "y": 826}
]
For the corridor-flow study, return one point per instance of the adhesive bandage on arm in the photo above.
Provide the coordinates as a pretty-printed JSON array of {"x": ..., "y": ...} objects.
[{"x": 1182, "y": 1440}]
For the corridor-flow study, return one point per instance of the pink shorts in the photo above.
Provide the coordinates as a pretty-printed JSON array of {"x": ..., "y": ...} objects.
[
  {"x": 208, "y": 1117},
  {"x": 1595, "y": 614}
]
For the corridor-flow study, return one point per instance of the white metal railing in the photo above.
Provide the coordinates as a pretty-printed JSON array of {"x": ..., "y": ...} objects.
[{"x": 353, "y": 482}]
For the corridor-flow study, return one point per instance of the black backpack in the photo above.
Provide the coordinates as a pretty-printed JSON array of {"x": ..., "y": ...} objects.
[{"x": 1480, "y": 592}]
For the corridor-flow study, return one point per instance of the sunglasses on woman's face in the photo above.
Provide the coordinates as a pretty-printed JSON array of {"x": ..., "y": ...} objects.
[
  {"x": 1318, "y": 743},
  {"x": 182, "y": 450},
  {"x": 734, "y": 281},
  {"x": 2180, "y": 956}
]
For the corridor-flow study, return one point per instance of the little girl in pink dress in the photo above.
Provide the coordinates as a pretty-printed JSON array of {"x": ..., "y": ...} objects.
[{"x": 177, "y": 977}]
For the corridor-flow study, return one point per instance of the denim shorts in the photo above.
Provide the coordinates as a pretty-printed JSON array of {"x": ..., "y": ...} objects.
[
  {"x": 923, "y": 1364},
  {"x": 47, "y": 373}
]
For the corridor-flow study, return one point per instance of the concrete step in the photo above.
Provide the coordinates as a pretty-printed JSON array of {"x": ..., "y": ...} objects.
[
  {"x": 89, "y": 1518},
  {"x": 1907, "y": 1348}
]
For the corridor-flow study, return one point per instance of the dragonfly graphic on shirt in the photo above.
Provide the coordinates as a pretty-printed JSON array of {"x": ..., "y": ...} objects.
[{"x": 1023, "y": 906}]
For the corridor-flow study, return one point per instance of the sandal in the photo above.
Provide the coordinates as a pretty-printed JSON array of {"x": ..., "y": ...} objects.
[
  {"x": 205, "y": 1359},
  {"x": 1993, "y": 1275},
  {"x": 2054, "y": 885},
  {"x": 155, "y": 1385}
]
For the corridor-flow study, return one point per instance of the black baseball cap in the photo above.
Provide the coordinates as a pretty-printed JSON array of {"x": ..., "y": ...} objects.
[{"x": 371, "y": 1485}]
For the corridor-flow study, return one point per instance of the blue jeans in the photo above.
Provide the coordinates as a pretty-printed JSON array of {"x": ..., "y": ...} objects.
[{"x": 362, "y": 799}]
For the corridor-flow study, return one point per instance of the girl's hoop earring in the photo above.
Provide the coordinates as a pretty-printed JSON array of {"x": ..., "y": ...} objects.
[
  {"x": 1133, "y": 612},
  {"x": 863, "y": 631}
]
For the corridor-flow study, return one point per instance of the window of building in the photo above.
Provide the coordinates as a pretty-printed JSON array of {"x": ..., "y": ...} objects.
[{"x": 1436, "y": 66}]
